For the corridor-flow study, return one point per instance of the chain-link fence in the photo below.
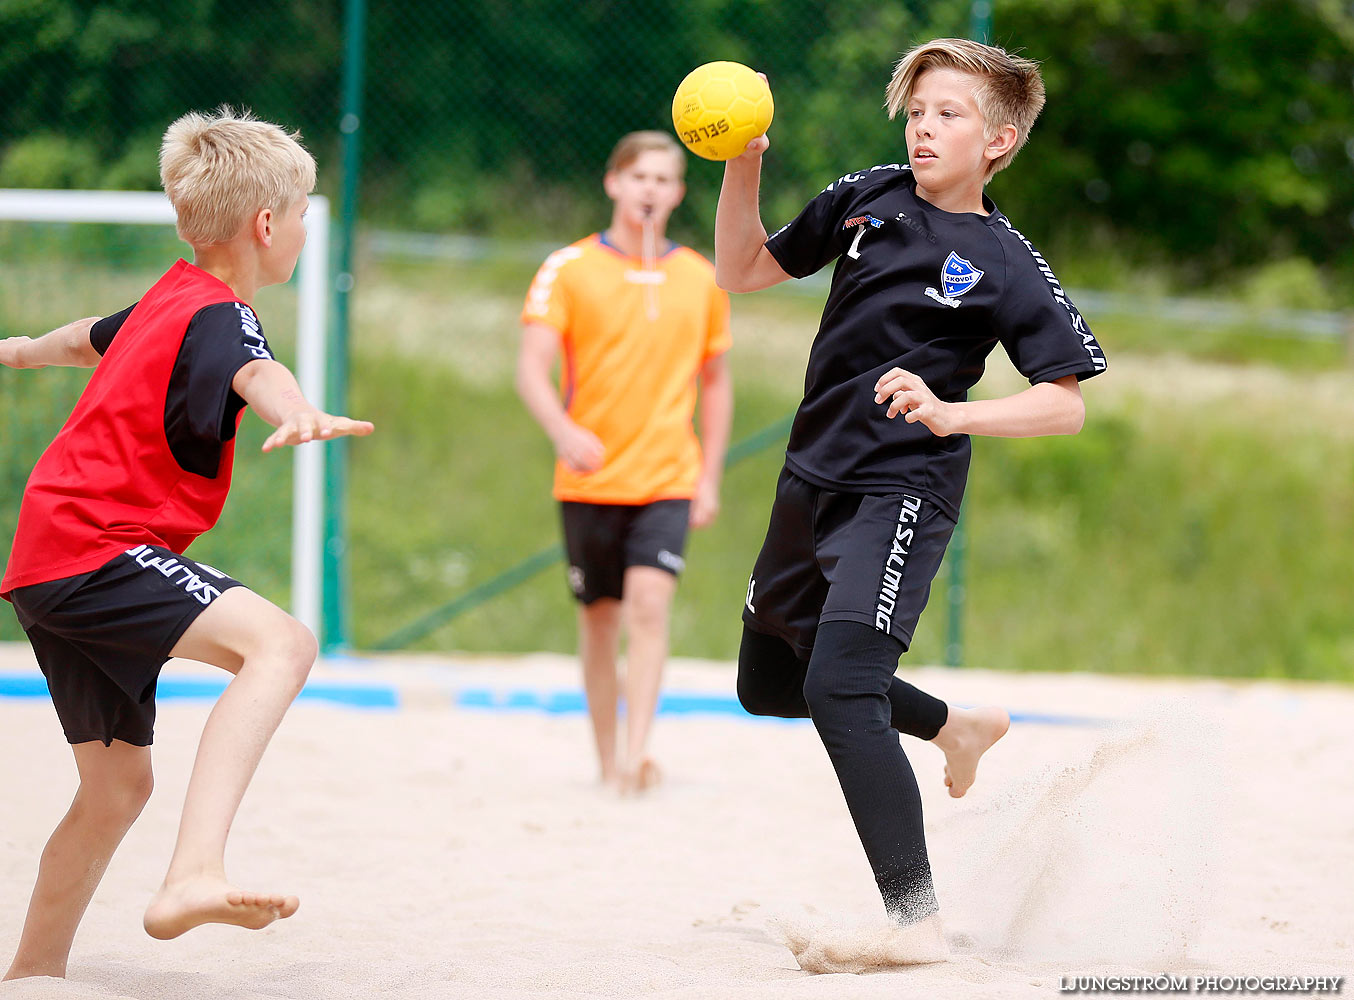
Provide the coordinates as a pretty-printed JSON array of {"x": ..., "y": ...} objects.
[
  {"x": 1187, "y": 143},
  {"x": 1222, "y": 131}
]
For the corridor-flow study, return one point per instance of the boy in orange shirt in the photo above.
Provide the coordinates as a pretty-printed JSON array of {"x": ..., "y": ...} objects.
[{"x": 640, "y": 322}]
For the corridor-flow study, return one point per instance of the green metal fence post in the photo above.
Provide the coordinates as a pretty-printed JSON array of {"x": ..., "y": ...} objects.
[
  {"x": 980, "y": 15},
  {"x": 954, "y": 593},
  {"x": 335, "y": 635}
]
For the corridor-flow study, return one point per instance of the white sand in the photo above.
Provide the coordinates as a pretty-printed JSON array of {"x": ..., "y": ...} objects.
[{"x": 448, "y": 853}]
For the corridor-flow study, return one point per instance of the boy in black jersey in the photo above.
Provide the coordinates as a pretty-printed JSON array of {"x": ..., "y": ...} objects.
[{"x": 930, "y": 276}]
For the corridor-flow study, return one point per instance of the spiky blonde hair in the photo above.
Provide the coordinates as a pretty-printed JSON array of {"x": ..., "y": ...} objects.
[
  {"x": 1011, "y": 91},
  {"x": 220, "y": 169}
]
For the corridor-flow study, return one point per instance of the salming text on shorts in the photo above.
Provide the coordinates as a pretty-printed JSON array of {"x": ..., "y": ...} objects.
[
  {"x": 853, "y": 557},
  {"x": 102, "y": 637},
  {"x": 603, "y": 540}
]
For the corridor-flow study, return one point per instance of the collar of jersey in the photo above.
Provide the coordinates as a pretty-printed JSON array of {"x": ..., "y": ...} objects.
[
  {"x": 993, "y": 213},
  {"x": 601, "y": 239}
]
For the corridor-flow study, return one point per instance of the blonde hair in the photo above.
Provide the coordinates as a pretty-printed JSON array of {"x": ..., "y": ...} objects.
[
  {"x": 630, "y": 147},
  {"x": 1011, "y": 91},
  {"x": 220, "y": 169}
]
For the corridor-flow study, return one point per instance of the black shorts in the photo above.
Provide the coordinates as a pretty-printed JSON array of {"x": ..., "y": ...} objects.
[
  {"x": 102, "y": 637},
  {"x": 603, "y": 540},
  {"x": 844, "y": 557}
]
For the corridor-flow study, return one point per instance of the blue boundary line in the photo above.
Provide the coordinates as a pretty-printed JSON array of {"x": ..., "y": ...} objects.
[
  {"x": 14, "y": 685},
  {"x": 549, "y": 702}
]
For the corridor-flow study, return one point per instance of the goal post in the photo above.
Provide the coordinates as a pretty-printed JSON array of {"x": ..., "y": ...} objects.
[{"x": 312, "y": 294}]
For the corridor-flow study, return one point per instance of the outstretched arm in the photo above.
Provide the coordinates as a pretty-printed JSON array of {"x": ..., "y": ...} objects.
[
  {"x": 67, "y": 346},
  {"x": 272, "y": 390},
  {"x": 1046, "y": 408},
  {"x": 742, "y": 262},
  {"x": 716, "y": 416}
]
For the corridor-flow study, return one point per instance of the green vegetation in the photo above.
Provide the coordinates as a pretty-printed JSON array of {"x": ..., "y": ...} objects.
[
  {"x": 484, "y": 297},
  {"x": 1196, "y": 138},
  {"x": 1155, "y": 542},
  {"x": 1196, "y": 525}
]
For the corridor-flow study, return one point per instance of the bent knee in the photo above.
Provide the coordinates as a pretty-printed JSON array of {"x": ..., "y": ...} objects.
[
  {"x": 769, "y": 676},
  {"x": 753, "y": 699},
  {"x": 834, "y": 700},
  {"x": 821, "y": 693},
  {"x": 118, "y": 798},
  {"x": 302, "y": 646},
  {"x": 137, "y": 789},
  {"x": 292, "y": 649},
  {"x": 849, "y": 676},
  {"x": 301, "y": 649}
]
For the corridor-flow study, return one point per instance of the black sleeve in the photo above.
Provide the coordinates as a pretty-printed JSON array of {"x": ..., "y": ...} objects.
[
  {"x": 809, "y": 242},
  {"x": 101, "y": 334},
  {"x": 1042, "y": 331},
  {"x": 201, "y": 407}
]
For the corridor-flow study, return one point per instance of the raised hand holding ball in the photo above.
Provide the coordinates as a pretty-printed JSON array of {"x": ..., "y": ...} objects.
[{"x": 719, "y": 108}]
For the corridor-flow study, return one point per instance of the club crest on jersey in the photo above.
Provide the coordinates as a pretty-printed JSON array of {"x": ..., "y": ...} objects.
[{"x": 957, "y": 276}]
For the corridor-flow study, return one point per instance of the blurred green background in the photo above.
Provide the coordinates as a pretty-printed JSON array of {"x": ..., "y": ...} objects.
[{"x": 1192, "y": 180}]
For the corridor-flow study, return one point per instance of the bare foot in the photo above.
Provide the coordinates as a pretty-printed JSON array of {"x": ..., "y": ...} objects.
[
  {"x": 641, "y": 779},
  {"x": 206, "y": 900},
  {"x": 829, "y": 949},
  {"x": 17, "y": 972},
  {"x": 968, "y": 733}
]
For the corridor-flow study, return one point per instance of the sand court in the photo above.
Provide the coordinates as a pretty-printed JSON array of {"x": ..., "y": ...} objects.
[{"x": 447, "y": 840}]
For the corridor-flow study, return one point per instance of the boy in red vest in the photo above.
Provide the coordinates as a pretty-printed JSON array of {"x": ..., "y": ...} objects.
[{"x": 97, "y": 574}]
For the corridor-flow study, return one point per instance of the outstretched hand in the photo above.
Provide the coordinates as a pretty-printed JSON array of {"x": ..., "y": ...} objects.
[
  {"x": 9, "y": 351},
  {"x": 907, "y": 394},
  {"x": 315, "y": 425}
]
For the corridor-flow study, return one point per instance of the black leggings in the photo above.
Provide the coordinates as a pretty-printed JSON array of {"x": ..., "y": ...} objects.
[{"x": 858, "y": 706}]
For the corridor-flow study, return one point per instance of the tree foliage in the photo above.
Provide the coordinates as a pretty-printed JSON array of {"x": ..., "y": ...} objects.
[{"x": 1199, "y": 137}]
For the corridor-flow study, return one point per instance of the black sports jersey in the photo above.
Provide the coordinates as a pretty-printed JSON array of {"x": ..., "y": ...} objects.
[
  {"x": 201, "y": 407},
  {"x": 928, "y": 291},
  {"x": 103, "y": 331}
]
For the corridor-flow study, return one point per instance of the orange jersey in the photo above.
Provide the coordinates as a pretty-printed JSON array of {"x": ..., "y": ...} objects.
[{"x": 633, "y": 343}]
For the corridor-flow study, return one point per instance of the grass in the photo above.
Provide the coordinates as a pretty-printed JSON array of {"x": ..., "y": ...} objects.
[
  {"x": 444, "y": 307},
  {"x": 1154, "y": 542},
  {"x": 1196, "y": 526}
]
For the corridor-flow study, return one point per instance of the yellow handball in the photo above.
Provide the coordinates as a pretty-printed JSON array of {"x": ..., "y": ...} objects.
[{"x": 719, "y": 108}]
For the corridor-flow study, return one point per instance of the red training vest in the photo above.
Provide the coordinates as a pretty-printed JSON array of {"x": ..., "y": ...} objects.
[{"x": 109, "y": 481}]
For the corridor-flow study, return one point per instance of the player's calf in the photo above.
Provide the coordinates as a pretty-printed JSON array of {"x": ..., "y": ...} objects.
[{"x": 115, "y": 784}]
